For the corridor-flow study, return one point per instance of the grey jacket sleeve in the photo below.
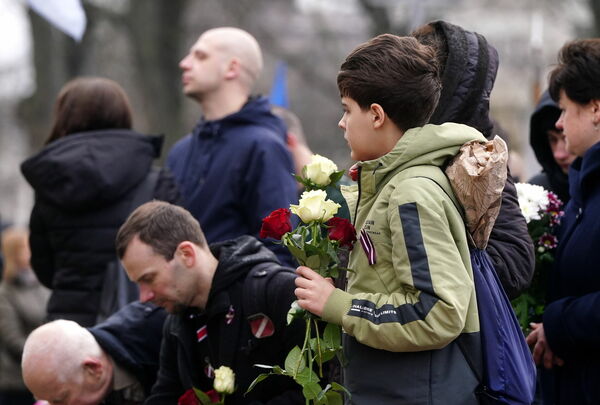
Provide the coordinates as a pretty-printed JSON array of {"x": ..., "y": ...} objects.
[{"x": 510, "y": 245}]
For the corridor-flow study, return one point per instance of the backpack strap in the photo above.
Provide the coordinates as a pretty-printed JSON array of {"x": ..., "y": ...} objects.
[
  {"x": 436, "y": 175},
  {"x": 256, "y": 283}
]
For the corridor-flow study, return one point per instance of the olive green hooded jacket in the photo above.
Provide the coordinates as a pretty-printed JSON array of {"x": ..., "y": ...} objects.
[{"x": 411, "y": 287}]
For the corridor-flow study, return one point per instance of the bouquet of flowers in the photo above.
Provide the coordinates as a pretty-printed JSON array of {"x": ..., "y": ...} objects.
[
  {"x": 223, "y": 384},
  {"x": 315, "y": 243},
  {"x": 542, "y": 211}
]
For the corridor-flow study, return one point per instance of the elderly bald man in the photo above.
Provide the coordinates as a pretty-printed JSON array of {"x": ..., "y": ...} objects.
[
  {"x": 234, "y": 168},
  {"x": 113, "y": 363}
]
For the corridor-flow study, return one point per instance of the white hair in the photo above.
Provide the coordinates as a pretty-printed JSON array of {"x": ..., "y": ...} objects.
[{"x": 60, "y": 347}]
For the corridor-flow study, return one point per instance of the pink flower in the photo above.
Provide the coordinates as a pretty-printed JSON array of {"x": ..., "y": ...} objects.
[{"x": 548, "y": 241}]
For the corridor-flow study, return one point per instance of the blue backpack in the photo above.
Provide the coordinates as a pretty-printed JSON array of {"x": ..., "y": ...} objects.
[
  {"x": 508, "y": 373},
  {"x": 508, "y": 376}
]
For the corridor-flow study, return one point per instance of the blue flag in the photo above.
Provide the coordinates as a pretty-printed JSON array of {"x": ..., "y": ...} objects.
[{"x": 278, "y": 94}]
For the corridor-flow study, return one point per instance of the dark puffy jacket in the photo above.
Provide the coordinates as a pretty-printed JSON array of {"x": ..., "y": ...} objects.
[
  {"x": 184, "y": 361},
  {"x": 132, "y": 338},
  {"x": 84, "y": 186},
  {"x": 552, "y": 177},
  {"x": 467, "y": 82},
  {"x": 572, "y": 315},
  {"x": 235, "y": 171}
]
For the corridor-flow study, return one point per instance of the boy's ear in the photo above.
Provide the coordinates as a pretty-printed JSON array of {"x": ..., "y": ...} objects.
[
  {"x": 378, "y": 115},
  {"x": 596, "y": 110}
]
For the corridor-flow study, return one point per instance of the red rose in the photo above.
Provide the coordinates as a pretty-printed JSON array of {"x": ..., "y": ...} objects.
[
  {"x": 276, "y": 224},
  {"x": 213, "y": 395},
  {"x": 342, "y": 230},
  {"x": 353, "y": 172},
  {"x": 188, "y": 398}
]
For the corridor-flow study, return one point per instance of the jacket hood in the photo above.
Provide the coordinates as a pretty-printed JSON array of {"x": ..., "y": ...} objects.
[
  {"x": 257, "y": 111},
  {"x": 91, "y": 169},
  {"x": 467, "y": 79},
  {"x": 544, "y": 118},
  {"x": 236, "y": 258},
  {"x": 428, "y": 145}
]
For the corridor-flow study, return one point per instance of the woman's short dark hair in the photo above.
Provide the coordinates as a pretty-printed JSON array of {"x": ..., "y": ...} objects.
[
  {"x": 577, "y": 72},
  {"x": 87, "y": 104},
  {"x": 162, "y": 226},
  {"x": 398, "y": 73}
]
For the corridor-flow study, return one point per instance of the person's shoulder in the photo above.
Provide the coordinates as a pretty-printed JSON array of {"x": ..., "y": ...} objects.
[
  {"x": 181, "y": 144},
  {"x": 413, "y": 189}
]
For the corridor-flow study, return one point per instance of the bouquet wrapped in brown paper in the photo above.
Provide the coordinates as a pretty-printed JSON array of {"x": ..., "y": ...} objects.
[{"x": 477, "y": 174}]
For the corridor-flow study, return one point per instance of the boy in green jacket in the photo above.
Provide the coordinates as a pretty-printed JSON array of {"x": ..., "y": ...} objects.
[{"x": 409, "y": 310}]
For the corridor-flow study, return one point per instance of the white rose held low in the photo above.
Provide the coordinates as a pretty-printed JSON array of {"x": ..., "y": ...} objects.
[
  {"x": 224, "y": 380},
  {"x": 319, "y": 170},
  {"x": 314, "y": 206}
]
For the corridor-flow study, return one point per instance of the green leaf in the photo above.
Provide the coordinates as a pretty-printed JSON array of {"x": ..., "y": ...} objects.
[
  {"x": 294, "y": 362},
  {"x": 295, "y": 313},
  {"x": 337, "y": 387},
  {"x": 334, "y": 398},
  {"x": 258, "y": 379},
  {"x": 278, "y": 370},
  {"x": 332, "y": 336},
  {"x": 202, "y": 397},
  {"x": 336, "y": 176},
  {"x": 311, "y": 390},
  {"x": 297, "y": 253},
  {"x": 314, "y": 262},
  {"x": 305, "y": 376},
  {"x": 326, "y": 355}
]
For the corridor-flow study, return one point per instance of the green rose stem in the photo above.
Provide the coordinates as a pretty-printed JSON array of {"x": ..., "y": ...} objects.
[{"x": 319, "y": 349}]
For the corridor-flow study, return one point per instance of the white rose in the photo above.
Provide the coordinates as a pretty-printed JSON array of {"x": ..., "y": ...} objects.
[
  {"x": 319, "y": 169},
  {"x": 314, "y": 206},
  {"x": 224, "y": 380}
]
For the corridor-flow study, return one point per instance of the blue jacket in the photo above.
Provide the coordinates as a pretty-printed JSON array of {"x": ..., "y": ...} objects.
[
  {"x": 234, "y": 171},
  {"x": 572, "y": 317}
]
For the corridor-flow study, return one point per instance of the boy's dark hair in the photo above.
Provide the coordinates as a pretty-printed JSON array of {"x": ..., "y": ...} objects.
[
  {"x": 162, "y": 226},
  {"x": 398, "y": 73},
  {"x": 577, "y": 72},
  {"x": 87, "y": 104}
]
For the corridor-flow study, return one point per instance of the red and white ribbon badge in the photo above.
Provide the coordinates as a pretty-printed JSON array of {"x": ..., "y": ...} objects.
[
  {"x": 201, "y": 333},
  {"x": 261, "y": 325},
  {"x": 368, "y": 247}
]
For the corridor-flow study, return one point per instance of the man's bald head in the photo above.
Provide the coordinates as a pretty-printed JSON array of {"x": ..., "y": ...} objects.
[
  {"x": 62, "y": 361},
  {"x": 237, "y": 43},
  {"x": 221, "y": 68}
]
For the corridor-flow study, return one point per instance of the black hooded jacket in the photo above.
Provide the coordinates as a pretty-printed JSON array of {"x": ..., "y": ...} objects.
[
  {"x": 552, "y": 177},
  {"x": 185, "y": 361},
  {"x": 467, "y": 82},
  {"x": 84, "y": 186}
]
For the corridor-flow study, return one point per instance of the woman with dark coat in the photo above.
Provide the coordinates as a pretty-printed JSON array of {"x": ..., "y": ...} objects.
[
  {"x": 86, "y": 180},
  {"x": 469, "y": 65},
  {"x": 567, "y": 340}
]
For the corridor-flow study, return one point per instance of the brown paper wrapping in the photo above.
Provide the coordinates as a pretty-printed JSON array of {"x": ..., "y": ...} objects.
[{"x": 478, "y": 174}]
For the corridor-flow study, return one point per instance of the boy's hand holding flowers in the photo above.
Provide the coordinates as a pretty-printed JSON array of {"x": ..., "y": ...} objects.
[
  {"x": 313, "y": 290},
  {"x": 314, "y": 243}
]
